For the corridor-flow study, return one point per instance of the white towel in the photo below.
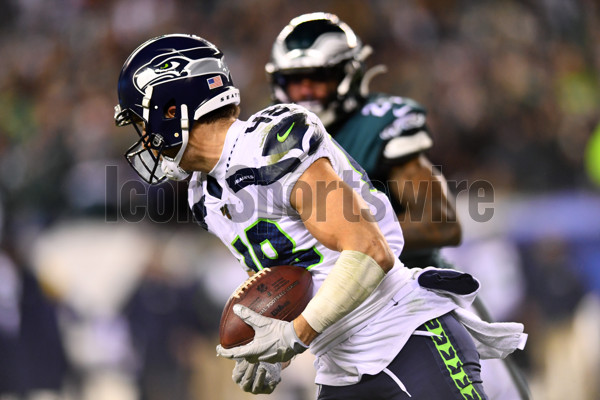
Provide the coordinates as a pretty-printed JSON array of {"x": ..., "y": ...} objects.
[{"x": 495, "y": 339}]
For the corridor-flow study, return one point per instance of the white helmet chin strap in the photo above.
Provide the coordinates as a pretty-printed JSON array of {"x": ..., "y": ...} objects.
[
  {"x": 170, "y": 166},
  {"x": 146, "y": 103}
]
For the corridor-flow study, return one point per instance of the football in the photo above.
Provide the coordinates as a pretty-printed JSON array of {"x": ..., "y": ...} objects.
[{"x": 277, "y": 292}]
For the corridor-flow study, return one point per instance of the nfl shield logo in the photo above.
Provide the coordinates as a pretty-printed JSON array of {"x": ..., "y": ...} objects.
[{"x": 214, "y": 82}]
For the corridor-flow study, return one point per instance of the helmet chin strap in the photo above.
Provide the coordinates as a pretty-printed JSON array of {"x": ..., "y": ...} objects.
[
  {"x": 146, "y": 103},
  {"x": 170, "y": 166}
]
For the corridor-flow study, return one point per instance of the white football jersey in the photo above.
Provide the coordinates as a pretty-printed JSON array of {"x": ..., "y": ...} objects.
[{"x": 245, "y": 199}]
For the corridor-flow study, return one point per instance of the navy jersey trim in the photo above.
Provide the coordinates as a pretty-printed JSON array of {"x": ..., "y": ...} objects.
[
  {"x": 213, "y": 187},
  {"x": 262, "y": 176},
  {"x": 199, "y": 212}
]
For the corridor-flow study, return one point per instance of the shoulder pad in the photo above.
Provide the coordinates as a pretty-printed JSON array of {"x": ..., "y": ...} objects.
[
  {"x": 288, "y": 135},
  {"x": 285, "y": 128},
  {"x": 285, "y": 135},
  {"x": 406, "y": 122},
  {"x": 403, "y": 116},
  {"x": 403, "y": 146},
  {"x": 380, "y": 105}
]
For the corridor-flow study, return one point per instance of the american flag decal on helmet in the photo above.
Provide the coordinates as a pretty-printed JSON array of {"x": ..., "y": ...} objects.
[{"x": 214, "y": 82}]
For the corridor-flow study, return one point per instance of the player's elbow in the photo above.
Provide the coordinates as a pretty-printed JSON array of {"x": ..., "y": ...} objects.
[
  {"x": 387, "y": 260},
  {"x": 379, "y": 250}
]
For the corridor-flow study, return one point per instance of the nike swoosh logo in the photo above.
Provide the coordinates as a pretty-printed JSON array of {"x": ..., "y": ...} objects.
[{"x": 286, "y": 134}]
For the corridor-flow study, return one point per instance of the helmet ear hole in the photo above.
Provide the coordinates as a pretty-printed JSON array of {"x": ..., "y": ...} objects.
[{"x": 170, "y": 109}]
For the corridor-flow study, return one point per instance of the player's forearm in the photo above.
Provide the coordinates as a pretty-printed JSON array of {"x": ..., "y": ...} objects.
[
  {"x": 353, "y": 278},
  {"x": 430, "y": 221},
  {"x": 426, "y": 213}
]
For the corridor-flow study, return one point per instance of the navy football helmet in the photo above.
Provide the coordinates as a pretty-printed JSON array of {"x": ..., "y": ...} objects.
[
  {"x": 178, "y": 70},
  {"x": 320, "y": 46}
]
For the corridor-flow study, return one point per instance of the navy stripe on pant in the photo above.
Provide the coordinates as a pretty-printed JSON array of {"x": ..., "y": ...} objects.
[{"x": 442, "y": 367}]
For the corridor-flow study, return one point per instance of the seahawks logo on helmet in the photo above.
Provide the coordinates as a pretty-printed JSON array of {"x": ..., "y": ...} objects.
[
  {"x": 160, "y": 70},
  {"x": 172, "y": 66}
]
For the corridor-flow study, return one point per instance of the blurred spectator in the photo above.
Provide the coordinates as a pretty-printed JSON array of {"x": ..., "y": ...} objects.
[
  {"x": 554, "y": 294},
  {"x": 166, "y": 315},
  {"x": 33, "y": 359}
]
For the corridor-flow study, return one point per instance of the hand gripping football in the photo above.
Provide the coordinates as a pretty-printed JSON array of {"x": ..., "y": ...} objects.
[{"x": 277, "y": 292}]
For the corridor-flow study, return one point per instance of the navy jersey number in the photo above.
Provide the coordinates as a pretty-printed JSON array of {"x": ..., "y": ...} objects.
[
  {"x": 273, "y": 112},
  {"x": 272, "y": 246}
]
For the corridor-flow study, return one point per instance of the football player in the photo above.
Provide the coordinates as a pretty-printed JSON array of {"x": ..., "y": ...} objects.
[
  {"x": 317, "y": 61},
  {"x": 276, "y": 189}
]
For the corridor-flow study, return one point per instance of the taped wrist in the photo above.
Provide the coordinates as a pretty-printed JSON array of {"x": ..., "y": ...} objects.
[{"x": 353, "y": 278}]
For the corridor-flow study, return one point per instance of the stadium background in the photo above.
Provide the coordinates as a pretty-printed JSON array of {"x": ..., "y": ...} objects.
[{"x": 513, "y": 94}]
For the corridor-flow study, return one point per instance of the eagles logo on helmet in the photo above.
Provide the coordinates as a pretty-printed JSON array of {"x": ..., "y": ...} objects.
[
  {"x": 322, "y": 46},
  {"x": 177, "y": 63}
]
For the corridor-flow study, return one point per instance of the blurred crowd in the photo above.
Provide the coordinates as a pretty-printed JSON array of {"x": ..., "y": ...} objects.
[{"x": 132, "y": 288}]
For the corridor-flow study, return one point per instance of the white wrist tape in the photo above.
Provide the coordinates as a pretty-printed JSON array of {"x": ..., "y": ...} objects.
[{"x": 353, "y": 278}]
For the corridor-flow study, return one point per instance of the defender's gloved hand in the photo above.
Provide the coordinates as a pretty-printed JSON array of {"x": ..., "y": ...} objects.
[
  {"x": 259, "y": 378},
  {"x": 274, "y": 340}
]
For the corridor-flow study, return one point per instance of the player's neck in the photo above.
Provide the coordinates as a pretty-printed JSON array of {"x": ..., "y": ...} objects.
[{"x": 205, "y": 146}]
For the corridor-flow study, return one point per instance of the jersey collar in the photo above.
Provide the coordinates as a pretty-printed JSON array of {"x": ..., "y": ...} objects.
[{"x": 220, "y": 169}]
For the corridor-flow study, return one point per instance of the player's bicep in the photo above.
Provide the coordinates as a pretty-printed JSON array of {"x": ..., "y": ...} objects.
[{"x": 335, "y": 214}]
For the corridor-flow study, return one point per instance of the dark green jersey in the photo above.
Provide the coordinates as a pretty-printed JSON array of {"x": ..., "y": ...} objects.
[{"x": 387, "y": 131}]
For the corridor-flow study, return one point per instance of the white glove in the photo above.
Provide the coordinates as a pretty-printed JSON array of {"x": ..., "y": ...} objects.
[
  {"x": 274, "y": 340},
  {"x": 260, "y": 378}
]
